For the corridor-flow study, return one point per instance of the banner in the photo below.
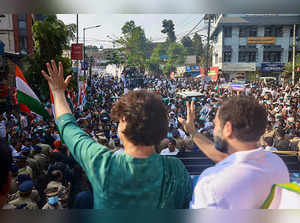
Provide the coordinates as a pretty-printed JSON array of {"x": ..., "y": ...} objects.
[
  {"x": 76, "y": 53},
  {"x": 272, "y": 67},
  {"x": 213, "y": 73},
  {"x": 261, "y": 40}
]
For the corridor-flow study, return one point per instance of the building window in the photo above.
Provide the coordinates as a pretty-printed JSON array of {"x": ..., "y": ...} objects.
[
  {"x": 247, "y": 56},
  {"x": 274, "y": 31},
  {"x": 278, "y": 31},
  {"x": 22, "y": 17},
  {"x": 253, "y": 31},
  {"x": 23, "y": 43},
  {"x": 246, "y": 31},
  {"x": 272, "y": 56},
  {"x": 269, "y": 31},
  {"x": 243, "y": 31},
  {"x": 22, "y": 25},
  {"x": 228, "y": 31},
  {"x": 227, "y": 56}
]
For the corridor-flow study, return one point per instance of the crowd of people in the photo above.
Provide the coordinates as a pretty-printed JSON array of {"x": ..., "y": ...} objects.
[{"x": 49, "y": 171}]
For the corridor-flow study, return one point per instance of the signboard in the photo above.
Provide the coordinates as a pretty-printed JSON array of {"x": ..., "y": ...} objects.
[
  {"x": 261, "y": 40},
  {"x": 180, "y": 70},
  {"x": 213, "y": 73},
  {"x": 272, "y": 67},
  {"x": 76, "y": 53},
  {"x": 202, "y": 72},
  {"x": 163, "y": 56},
  {"x": 239, "y": 67},
  {"x": 190, "y": 60}
]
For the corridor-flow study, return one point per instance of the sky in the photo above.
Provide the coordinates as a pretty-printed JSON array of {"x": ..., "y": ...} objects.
[{"x": 111, "y": 25}]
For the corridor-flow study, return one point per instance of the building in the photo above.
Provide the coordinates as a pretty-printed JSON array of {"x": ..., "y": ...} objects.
[
  {"x": 7, "y": 32},
  {"x": 255, "y": 45},
  {"x": 16, "y": 32}
]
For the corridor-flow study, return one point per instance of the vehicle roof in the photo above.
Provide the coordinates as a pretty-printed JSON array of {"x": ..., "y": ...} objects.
[{"x": 190, "y": 94}]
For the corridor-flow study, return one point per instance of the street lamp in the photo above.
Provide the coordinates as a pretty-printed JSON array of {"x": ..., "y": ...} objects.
[{"x": 90, "y": 27}]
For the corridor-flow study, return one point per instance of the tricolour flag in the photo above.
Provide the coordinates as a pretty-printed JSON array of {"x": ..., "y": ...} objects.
[
  {"x": 52, "y": 105},
  {"x": 26, "y": 98}
]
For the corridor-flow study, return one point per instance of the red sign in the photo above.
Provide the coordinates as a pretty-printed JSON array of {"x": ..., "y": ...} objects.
[
  {"x": 298, "y": 69},
  {"x": 213, "y": 72},
  {"x": 77, "y": 51}
]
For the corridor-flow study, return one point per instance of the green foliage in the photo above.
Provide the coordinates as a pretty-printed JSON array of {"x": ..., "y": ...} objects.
[
  {"x": 198, "y": 45},
  {"x": 176, "y": 57},
  {"x": 134, "y": 45},
  {"x": 168, "y": 28},
  {"x": 187, "y": 42},
  {"x": 51, "y": 38},
  {"x": 155, "y": 63},
  {"x": 289, "y": 68},
  {"x": 115, "y": 56}
]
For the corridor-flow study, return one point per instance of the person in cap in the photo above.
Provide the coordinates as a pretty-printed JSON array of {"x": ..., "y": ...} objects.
[
  {"x": 42, "y": 160},
  {"x": 25, "y": 190},
  {"x": 32, "y": 163},
  {"x": 35, "y": 196},
  {"x": 46, "y": 149},
  {"x": 53, "y": 202},
  {"x": 56, "y": 181},
  {"x": 23, "y": 167}
]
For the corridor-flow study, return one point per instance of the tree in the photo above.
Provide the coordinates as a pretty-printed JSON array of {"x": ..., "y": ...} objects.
[
  {"x": 115, "y": 56},
  {"x": 176, "y": 56},
  {"x": 289, "y": 68},
  {"x": 51, "y": 37},
  {"x": 155, "y": 62},
  {"x": 198, "y": 45},
  {"x": 134, "y": 45},
  {"x": 187, "y": 42},
  {"x": 168, "y": 28}
]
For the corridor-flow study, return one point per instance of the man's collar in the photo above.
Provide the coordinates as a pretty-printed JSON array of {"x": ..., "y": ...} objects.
[{"x": 242, "y": 156}]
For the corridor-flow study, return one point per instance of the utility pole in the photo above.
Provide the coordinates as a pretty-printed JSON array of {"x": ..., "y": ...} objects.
[
  {"x": 294, "y": 54},
  {"x": 77, "y": 61},
  {"x": 208, "y": 46}
]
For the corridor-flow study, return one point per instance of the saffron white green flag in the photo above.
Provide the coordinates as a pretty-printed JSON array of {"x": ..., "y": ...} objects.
[{"x": 26, "y": 98}]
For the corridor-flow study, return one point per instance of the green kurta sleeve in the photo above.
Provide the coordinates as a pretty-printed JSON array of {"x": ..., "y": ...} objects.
[{"x": 83, "y": 148}]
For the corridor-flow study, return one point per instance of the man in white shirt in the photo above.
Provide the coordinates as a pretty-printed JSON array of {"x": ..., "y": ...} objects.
[
  {"x": 244, "y": 174},
  {"x": 171, "y": 150}
]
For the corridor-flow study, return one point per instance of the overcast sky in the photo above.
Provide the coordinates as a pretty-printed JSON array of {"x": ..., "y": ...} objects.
[{"x": 111, "y": 25}]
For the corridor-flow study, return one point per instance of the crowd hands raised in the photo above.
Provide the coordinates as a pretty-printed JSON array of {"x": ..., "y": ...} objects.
[{"x": 45, "y": 175}]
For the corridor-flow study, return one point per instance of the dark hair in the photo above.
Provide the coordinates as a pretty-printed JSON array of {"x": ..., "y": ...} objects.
[
  {"x": 146, "y": 117},
  {"x": 269, "y": 141},
  {"x": 5, "y": 162},
  {"x": 172, "y": 141},
  {"x": 247, "y": 117}
]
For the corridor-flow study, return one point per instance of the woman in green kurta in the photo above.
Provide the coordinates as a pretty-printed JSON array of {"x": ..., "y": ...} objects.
[{"x": 137, "y": 178}]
